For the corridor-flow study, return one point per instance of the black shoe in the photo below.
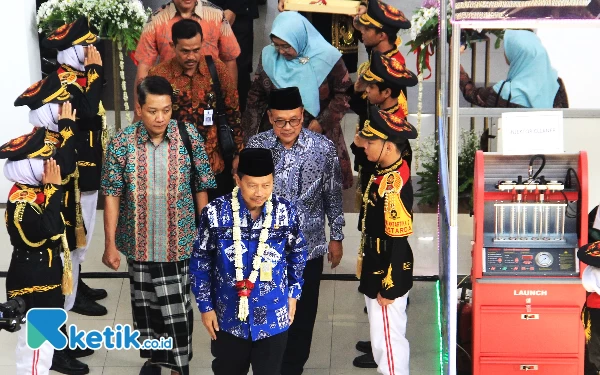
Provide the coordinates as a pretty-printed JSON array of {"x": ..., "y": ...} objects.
[
  {"x": 63, "y": 363},
  {"x": 79, "y": 353},
  {"x": 86, "y": 306},
  {"x": 364, "y": 347},
  {"x": 150, "y": 369},
  {"x": 364, "y": 361},
  {"x": 91, "y": 293}
]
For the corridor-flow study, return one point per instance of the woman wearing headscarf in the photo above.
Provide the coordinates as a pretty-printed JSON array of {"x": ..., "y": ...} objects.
[
  {"x": 36, "y": 228},
  {"x": 532, "y": 82},
  {"x": 299, "y": 56}
]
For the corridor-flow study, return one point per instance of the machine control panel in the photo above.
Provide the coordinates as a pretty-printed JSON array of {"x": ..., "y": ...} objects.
[{"x": 530, "y": 261}]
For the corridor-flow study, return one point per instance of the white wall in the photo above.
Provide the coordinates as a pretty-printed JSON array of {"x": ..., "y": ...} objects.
[
  {"x": 575, "y": 54},
  {"x": 21, "y": 66}
]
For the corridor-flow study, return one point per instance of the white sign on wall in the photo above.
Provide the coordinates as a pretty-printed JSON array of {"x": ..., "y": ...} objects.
[{"x": 526, "y": 133}]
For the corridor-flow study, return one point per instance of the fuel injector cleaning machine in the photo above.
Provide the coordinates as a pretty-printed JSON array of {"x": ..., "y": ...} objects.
[{"x": 530, "y": 217}]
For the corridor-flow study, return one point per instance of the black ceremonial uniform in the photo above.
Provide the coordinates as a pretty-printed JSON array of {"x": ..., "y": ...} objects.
[
  {"x": 35, "y": 228},
  {"x": 385, "y": 259},
  {"x": 34, "y": 222},
  {"x": 86, "y": 91},
  {"x": 387, "y": 266}
]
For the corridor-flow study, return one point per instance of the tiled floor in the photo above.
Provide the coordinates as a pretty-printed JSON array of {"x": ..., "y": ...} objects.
[
  {"x": 340, "y": 321},
  {"x": 340, "y": 324}
]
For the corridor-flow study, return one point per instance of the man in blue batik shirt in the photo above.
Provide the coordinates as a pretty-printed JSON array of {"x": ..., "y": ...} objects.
[
  {"x": 246, "y": 268},
  {"x": 308, "y": 174}
]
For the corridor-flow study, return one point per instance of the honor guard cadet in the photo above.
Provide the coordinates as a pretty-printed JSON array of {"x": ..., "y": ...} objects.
[
  {"x": 34, "y": 221},
  {"x": 385, "y": 259},
  {"x": 81, "y": 72},
  {"x": 386, "y": 82},
  {"x": 379, "y": 27},
  {"x": 42, "y": 98}
]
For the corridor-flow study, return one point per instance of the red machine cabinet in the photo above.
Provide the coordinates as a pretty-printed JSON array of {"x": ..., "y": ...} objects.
[{"x": 527, "y": 318}]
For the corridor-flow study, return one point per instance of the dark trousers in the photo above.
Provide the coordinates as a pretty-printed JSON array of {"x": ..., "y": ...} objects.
[
  {"x": 243, "y": 29},
  {"x": 300, "y": 333},
  {"x": 233, "y": 355}
]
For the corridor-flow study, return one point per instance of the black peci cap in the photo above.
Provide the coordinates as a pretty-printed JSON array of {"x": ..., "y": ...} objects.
[
  {"x": 285, "y": 98},
  {"x": 256, "y": 162}
]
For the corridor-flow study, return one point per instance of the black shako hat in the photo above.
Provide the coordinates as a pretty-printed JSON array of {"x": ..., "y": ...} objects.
[
  {"x": 40, "y": 143},
  {"x": 285, "y": 98},
  {"x": 389, "y": 71},
  {"x": 256, "y": 162},
  {"x": 590, "y": 254},
  {"x": 71, "y": 34},
  {"x": 48, "y": 90},
  {"x": 387, "y": 126},
  {"x": 384, "y": 17}
]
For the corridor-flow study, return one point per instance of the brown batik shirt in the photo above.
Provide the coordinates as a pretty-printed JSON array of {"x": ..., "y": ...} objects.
[{"x": 192, "y": 95}]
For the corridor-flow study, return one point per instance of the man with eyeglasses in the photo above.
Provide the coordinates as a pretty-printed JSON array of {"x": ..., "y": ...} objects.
[{"x": 307, "y": 173}]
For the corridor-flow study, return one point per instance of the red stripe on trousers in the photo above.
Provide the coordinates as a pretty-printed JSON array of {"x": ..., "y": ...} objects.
[
  {"x": 34, "y": 361},
  {"x": 387, "y": 320},
  {"x": 388, "y": 343}
]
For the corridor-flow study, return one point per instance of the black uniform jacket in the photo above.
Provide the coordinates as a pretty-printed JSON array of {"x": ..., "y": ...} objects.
[
  {"x": 387, "y": 266},
  {"x": 86, "y": 90}
]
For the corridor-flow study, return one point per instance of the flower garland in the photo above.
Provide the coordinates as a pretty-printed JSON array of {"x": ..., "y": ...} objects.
[
  {"x": 419, "y": 119},
  {"x": 123, "y": 82},
  {"x": 245, "y": 286}
]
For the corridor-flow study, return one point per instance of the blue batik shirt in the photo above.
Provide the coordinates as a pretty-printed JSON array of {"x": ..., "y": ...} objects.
[
  {"x": 213, "y": 269},
  {"x": 308, "y": 174}
]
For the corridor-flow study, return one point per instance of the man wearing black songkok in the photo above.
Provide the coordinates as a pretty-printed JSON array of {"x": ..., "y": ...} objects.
[
  {"x": 246, "y": 268},
  {"x": 307, "y": 172}
]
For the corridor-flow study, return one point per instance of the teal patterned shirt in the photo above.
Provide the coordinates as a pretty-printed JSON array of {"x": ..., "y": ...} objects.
[{"x": 156, "y": 214}]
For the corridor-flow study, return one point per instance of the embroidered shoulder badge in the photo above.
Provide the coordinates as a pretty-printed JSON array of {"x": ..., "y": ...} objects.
[
  {"x": 23, "y": 195},
  {"x": 67, "y": 78},
  {"x": 398, "y": 222}
]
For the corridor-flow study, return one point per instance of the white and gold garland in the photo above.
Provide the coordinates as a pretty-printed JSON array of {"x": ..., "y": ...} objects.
[
  {"x": 123, "y": 82},
  {"x": 245, "y": 286}
]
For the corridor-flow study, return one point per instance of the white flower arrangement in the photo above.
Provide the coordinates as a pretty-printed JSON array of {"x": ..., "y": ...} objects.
[
  {"x": 121, "y": 21},
  {"x": 420, "y": 18},
  {"x": 244, "y": 308}
]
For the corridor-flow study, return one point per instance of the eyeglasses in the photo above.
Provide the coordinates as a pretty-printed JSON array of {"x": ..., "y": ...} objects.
[
  {"x": 284, "y": 48},
  {"x": 282, "y": 123}
]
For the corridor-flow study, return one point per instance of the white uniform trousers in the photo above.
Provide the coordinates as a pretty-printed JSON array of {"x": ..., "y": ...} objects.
[
  {"x": 32, "y": 362},
  {"x": 89, "y": 202},
  {"x": 388, "y": 336}
]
